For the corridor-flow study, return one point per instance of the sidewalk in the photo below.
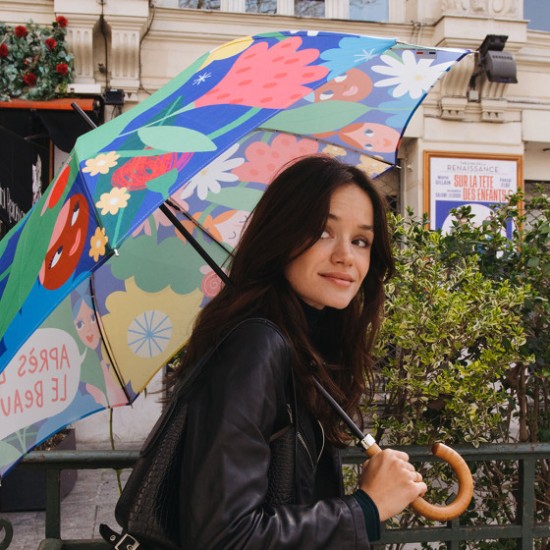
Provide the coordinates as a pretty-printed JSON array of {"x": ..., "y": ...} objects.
[{"x": 91, "y": 502}]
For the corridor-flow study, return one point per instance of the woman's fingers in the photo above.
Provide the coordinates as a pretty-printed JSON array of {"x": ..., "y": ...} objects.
[{"x": 392, "y": 482}]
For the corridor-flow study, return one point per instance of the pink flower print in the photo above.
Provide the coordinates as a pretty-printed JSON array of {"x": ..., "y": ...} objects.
[
  {"x": 211, "y": 283},
  {"x": 265, "y": 160},
  {"x": 265, "y": 77}
]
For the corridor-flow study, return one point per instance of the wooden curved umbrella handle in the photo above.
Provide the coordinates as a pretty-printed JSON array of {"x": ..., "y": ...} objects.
[{"x": 465, "y": 485}]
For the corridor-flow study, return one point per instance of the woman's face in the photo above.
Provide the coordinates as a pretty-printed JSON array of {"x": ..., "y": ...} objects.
[
  {"x": 86, "y": 326},
  {"x": 331, "y": 271}
]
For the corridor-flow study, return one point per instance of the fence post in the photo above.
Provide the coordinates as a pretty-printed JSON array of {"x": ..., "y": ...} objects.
[
  {"x": 526, "y": 502},
  {"x": 53, "y": 503}
]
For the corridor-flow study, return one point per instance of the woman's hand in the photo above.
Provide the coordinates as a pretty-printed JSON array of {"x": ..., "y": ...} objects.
[{"x": 391, "y": 482}]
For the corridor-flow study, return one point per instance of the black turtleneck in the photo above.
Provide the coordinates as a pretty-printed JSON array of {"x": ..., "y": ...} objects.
[{"x": 314, "y": 319}]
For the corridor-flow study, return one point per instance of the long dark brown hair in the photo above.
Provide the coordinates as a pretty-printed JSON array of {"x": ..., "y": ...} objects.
[{"x": 288, "y": 219}]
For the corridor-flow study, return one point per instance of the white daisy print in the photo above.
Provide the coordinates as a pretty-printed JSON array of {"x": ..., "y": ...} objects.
[
  {"x": 209, "y": 178},
  {"x": 407, "y": 75}
]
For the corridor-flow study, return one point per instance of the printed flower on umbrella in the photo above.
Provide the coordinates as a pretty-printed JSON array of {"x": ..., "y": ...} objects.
[
  {"x": 135, "y": 173},
  {"x": 267, "y": 77},
  {"x": 149, "y": 333},
  {"x": 112, "y": 202},
  {"x": 98, "y": 243},
  {"x": 407, "y": 75},
  {"x": 211, "y": 283},
  {"x": 209, "y": 178},
  {"x": 264, "y": 159},
  {"x": 101, "y": 164}
]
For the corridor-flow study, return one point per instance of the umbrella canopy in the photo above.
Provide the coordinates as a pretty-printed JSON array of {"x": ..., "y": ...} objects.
[{"x": 98, "y": 290}]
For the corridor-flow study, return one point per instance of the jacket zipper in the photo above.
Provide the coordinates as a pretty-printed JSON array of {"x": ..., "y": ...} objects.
[
  {"x": 301, "y": 439},
  {"x": 323, "y": 441}
]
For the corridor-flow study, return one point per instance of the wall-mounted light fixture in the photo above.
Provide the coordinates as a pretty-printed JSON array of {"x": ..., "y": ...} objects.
[{"x": 498, "y": 65}]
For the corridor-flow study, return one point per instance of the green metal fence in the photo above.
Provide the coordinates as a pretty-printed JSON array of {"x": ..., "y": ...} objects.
[{"x": 525, "y": 531}]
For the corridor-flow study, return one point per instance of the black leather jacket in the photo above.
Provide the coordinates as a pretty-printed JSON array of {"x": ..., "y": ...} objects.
[{"x": 233, "y": 491}]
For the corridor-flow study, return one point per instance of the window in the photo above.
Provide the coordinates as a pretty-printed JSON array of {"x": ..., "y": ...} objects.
[
  {"x": 261, "y": 6},
  {"x": 368, "y": 10},
  {"x": 199, "y": 4},
  {"x": 309, "y": 8}
]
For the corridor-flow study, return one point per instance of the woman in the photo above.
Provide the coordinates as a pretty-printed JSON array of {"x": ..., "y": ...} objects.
[{"x": 260, "y": 467}]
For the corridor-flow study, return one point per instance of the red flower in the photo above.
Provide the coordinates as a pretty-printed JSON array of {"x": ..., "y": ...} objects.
[
  {"x": 269, "y": 77},
  {"x": 138, "y": 171},
  {"x": 62, "y": 68},
  {"x": 51, "y": 43},
  {"x": 29, "y": 79},
  {"x": 4, "y": 50},
  {"x": 62, "y": 21},
  {"x": 21, "y": 31}
]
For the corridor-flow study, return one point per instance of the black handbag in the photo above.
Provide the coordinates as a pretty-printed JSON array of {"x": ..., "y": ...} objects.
[{"x": 147, "y": 507}]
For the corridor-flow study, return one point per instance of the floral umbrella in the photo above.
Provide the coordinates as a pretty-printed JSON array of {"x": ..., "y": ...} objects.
[{"x": 98, "y": 290}]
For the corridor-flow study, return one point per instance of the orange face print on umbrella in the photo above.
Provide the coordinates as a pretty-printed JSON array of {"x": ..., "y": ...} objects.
[
  {"x": 354, "y": 85},
  {"x": 66, "y": 244}
]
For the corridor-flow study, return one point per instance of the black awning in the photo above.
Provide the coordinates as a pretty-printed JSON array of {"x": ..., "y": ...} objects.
[{"x": 57, "y": 118}]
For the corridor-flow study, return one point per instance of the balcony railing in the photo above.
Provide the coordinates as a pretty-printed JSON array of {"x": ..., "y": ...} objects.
[{"x": 525, "y": 531}]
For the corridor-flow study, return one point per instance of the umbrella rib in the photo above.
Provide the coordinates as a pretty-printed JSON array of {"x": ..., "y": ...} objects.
[
  {"x": 199, "y": 226},
  {"x": 194, "y": 243},
  {"x": 106, "y": 340}
]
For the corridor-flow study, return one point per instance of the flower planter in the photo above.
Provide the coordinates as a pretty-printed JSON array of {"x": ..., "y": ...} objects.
[{"x": 24, "y": 489}]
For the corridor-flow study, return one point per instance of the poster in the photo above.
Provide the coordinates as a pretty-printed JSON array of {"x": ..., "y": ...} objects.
[{"x": 456, "y": 180}]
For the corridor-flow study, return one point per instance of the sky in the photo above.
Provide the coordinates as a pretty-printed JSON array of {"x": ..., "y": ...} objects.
[{"x": 538, "y": 12}]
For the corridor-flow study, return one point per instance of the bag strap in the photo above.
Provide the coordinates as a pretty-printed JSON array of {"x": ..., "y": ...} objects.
[{"x": 119, "y": 541}]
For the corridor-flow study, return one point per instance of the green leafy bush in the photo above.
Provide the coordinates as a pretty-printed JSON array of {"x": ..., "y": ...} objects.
[
  {"x": 445, "y": 348},
  {"x": 464, "y": 351}
]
